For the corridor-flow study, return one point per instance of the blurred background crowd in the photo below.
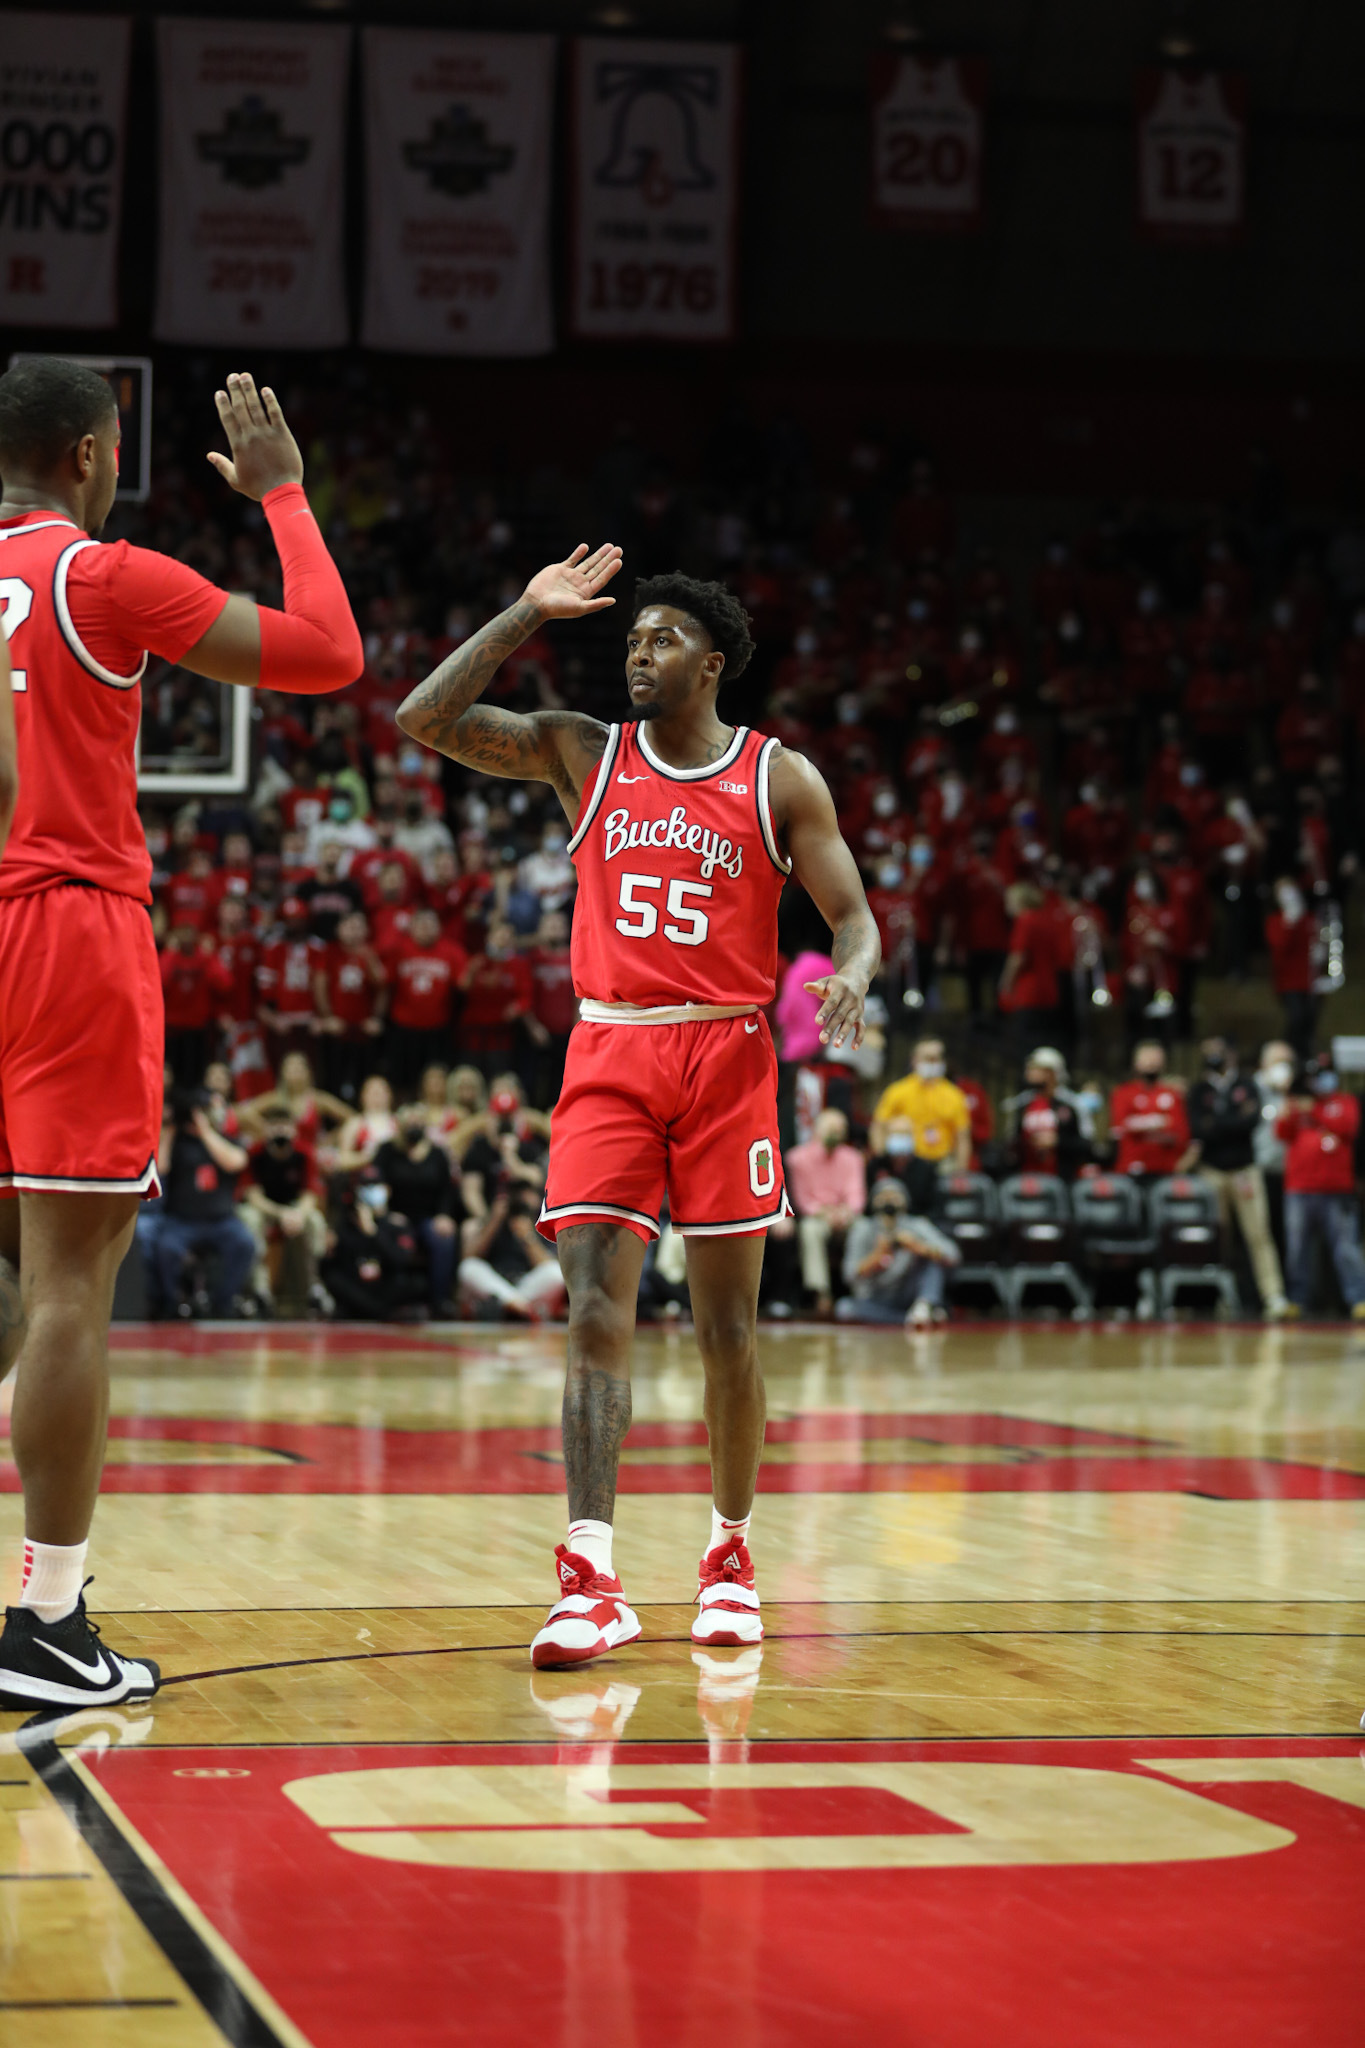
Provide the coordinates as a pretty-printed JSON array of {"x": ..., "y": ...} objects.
[{"x": 1097, "y": 781}]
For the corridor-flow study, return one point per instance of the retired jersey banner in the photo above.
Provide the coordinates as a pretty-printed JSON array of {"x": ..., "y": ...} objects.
[
  {"x": 252, "y": 195},
  {"x": 63, "y": 88},
  {"x": 928, "y": 132},
  {"x": 1191, "y": 145},
  {"x": 655, "y": 141},
  {"x": 458, "y": 131}
]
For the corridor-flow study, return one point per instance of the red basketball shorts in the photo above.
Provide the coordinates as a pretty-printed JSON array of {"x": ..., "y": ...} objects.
[
  {"x": 687, "y": 1107},
  {"x": 82, "y": 1043}
]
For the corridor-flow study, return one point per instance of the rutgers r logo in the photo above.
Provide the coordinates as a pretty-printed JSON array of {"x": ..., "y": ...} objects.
[{"x": 735, "y": 788}]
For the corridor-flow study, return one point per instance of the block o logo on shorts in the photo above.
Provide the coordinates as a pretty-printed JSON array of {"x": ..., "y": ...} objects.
[{"x": 762, "y": 1167}]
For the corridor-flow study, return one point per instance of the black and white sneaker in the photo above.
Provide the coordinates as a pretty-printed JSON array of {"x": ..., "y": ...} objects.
[{"x": 64, "y": 1663}]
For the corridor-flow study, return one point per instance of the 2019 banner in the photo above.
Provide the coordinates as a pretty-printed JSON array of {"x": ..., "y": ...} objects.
[
  {"x": 252, "y": 189},
  {"x": 63, "y": 91},
  {"x": 458, "y": 132},
  {"x": 655, "y": 178}
]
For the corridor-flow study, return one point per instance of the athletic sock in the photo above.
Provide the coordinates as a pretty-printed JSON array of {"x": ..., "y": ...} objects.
[
  {"x": 593, "y": 1541},
  {"x": 53, "y": 1573},
  {"x": 723, "y": 1531}
]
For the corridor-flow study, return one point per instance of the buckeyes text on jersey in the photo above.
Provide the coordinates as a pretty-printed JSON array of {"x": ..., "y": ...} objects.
[{"x": 679, "y": 875}]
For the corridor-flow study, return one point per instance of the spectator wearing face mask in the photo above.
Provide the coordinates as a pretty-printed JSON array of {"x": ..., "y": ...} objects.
[
  {"x": 922, "y": 1124},
  {"x": 548, "y": 874},
  {"x": 1044, "y": 1120},
  {"x": 1224, "y": 1111},
  {"x": 1290, "y": 932},
  {"x": 1150, "y": 943},
  {"x": 423, "y": 1195},
  {"x": 426, "y": 971},
  {"x": 978, "y": 925},
  {"x": 1147, "y": 1119},
  {"x": 374, "y": 1270},
  {"x": 1319, "y": 1129},
  {"x": 895, "y": 1263},
  {"x": 827, "y": 1181},
  {"x": 554, "y": 1010},
  {"x": 1274, "y": 1077},
  {"x": 499, "y": 992},
  {"x": 194, "y": 983},
  {"x": 421, "y": 833},
  {"x": 199, "y": 1164},
  {"x": 1005, "y": 742},
  {"x": 350, "y": 994},
  {"x": 339, "y": 826},
  {"x": 329, "y": 894},
  {"x": 889, "y": 825},
  {"x": 281, "y": 1206}
]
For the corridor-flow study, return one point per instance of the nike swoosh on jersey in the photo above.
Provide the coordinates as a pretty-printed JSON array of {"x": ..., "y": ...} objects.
[
  {"x": 751, "y": 1027},
  {"x": 98, "y": 1673},
  {"x": 632, "y": 778}
]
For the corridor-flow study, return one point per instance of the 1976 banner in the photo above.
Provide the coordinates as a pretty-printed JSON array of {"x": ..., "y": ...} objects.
[{"x": 655, "y": 172}]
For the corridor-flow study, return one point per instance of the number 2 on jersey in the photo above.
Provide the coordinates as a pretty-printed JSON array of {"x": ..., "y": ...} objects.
[
  {"x": 17, "y": 599},
  {"x": 692, "y": 925}
]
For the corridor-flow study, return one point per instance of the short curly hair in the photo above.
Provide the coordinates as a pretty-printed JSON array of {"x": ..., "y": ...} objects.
[
  {"x": 47, "y": 405},
  {"x": 713, "y": 607}
]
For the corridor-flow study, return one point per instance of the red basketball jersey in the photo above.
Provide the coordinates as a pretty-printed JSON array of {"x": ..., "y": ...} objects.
[
  {"x": 70, "y": 607},
  {"x": 679, "y": 875}
]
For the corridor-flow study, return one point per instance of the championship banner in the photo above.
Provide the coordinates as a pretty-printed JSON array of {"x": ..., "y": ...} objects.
[
  {"x": 458, "y": 133},
  {"x": 63, "y": 92},
  {"x": 1191, "y": 146},
  {"x": 252, "y": 192},
  {"x": 928, "y": 133},
  {"x": 655, "y": 170}
]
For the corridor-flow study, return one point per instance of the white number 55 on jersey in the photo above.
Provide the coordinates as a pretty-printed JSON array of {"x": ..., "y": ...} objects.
[{"x": 692, "y": 925}]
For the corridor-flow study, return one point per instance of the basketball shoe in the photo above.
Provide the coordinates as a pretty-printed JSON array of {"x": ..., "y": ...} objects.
[
  {"x": 727, "y": 1604},
  {"x": 589, "y": 1618},
  {"x": 64, "y": 1663}
]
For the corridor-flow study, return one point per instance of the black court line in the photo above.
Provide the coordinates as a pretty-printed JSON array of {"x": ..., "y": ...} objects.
[{"x": 184, "y": 1948}]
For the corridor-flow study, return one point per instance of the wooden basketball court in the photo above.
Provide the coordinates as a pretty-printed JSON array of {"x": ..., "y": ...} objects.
[{"x": 1053, "y": 1738}]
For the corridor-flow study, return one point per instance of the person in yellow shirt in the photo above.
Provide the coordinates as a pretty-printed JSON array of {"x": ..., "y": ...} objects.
[{"x": 923, "y": 1123}]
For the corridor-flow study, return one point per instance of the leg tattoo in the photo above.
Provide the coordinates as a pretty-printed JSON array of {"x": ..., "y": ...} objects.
[{"x": 596, "y": 1418}]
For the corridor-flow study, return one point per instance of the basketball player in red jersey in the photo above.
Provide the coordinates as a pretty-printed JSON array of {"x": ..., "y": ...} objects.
[
  {"x": 684, "y": 831},
  {"x": 81, "y": 1031}
]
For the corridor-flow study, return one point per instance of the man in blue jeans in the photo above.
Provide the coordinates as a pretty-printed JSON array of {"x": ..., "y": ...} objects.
[
  {"x": 199, "y": 1166},
  {"x": 894, "y": 1263},
  {"x": 1318, "y": 1129}
]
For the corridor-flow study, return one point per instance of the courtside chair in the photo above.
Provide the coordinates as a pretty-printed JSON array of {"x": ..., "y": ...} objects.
[
  {"x": 1189, "y": 1243},
  {"x": 968, "y": 1211},
  {"x": 1115, "y": 1233},
  {"x": 1040, "y": 1240}
]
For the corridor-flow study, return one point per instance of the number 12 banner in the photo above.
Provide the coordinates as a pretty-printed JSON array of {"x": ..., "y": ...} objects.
[
  {"x": 928, "y": 126},
  {"x": 1191, "y": 148},
  {"x": 655, "y": 168}
]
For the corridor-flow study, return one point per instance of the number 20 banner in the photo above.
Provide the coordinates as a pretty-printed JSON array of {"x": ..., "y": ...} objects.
[
  {"x": 655, "y": 167},
  {"x": 928, "y": 122},
  {"x": 1191, "y": 155}
]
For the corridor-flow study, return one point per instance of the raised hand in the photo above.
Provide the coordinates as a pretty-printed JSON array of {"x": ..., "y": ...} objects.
[
  {"x": 570, "y": 589},
  {"x": 264, "y": 452}
]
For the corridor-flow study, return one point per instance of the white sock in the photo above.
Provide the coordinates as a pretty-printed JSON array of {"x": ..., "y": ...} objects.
[
  {"x": 593, "y": 1541},
  {"x": 723, "y": 1532},
  {"x": 52, "y": 1578}
]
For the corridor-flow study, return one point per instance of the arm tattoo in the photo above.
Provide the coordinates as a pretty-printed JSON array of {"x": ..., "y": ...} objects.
[
  {"x": 596, "y": 1418},
  {"x": 443, "y": 712},
  {"x": 856, "y": 948}
]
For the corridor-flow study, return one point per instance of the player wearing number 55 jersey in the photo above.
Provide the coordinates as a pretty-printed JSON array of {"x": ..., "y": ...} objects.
[
  {"x": 81, "y": 1022},
  {"x": 684, "y": 831}
]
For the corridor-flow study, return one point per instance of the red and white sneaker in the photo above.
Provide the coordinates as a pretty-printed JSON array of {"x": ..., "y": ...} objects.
[
  {"x": 590, "y": 1618},
  {"x": 728, "y": 1614}
]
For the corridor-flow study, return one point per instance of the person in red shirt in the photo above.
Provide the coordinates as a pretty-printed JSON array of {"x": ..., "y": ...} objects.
[
  {"x": 499, "y": 991},
  {"x": 1047, "y": 1128},
  {"x": 1290, "y": 933},
  {"x": 1318, "y": 1130},
  {"x": 1150, "y": 940},
  {"x": 366, "y": 867},
  {"x": 1028, "y": 982},
  {"x": 1004, "y": 742},
  {"x": 426, "y": 970},
  {"x": 193, "y": 895},
  {"x": 284, "y": 983},
  {"x": 193, "y": 984},
  {"x": 978, "y": 926},
  {"x": 1097, "y": 832},
  {"x": 350, "y": 993},
  {"x": 1147, "y": 1118},
  {"x": 238, "y": 952},
  {"x": 554, "y": 1006},
  {"x": 1218, "y": 703},
  {"x": 1187, "y": 891},
  {"x": 304, "y": 807},
  {"x": 391, "y": 914}
]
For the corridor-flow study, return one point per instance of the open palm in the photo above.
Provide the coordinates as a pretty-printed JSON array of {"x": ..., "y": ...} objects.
[{"x": 568, "y": 589}]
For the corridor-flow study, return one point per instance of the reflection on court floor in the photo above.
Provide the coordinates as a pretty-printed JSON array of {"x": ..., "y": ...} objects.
[{"x": 1053, "y": 1737}]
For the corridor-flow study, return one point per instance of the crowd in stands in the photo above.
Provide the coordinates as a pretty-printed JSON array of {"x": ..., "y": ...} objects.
[{"x": 1080, "y": 791}]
